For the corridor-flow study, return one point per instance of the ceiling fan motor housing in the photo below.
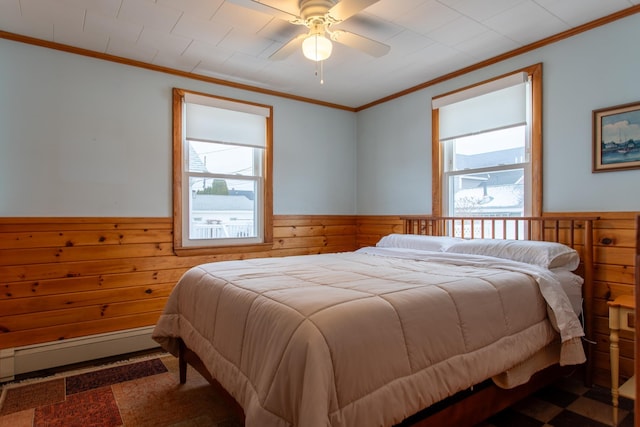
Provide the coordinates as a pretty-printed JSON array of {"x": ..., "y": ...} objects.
[
  {"x": 319, "y": 16},
  {"x": 313, "y": 9}
]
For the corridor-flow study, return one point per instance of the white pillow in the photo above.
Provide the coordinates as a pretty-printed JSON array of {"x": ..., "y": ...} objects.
[
  {"x": 415, "y": 241},
  {"x": 544, "y": 254}
]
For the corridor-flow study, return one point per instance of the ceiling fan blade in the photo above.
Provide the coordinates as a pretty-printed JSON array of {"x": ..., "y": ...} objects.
[
  {"x": 345, "y": 9},
  {"x": 276, "y": 8},
  {"x": 267, "y": 8},
  {"x": 362, "y": 43},
  {"x": 286, "y": 50}
]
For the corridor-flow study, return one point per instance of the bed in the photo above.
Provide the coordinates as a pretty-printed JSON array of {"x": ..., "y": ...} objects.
[{"x": 375, "y": 336}]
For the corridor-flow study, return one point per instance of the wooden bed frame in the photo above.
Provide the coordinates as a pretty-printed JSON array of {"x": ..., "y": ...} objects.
[{"x": 469, "y": 408}]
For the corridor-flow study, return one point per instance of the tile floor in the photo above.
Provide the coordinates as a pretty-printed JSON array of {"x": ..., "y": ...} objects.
[{"x": 567, "y": 403}]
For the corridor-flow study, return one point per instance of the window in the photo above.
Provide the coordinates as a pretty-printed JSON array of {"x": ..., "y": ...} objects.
[
  {"x": 487, "y": 148},
  {"x": 222, "y": 186}
]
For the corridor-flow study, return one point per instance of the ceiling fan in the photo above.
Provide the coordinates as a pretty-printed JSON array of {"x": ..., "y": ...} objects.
[{"x": 319, "y": 16}]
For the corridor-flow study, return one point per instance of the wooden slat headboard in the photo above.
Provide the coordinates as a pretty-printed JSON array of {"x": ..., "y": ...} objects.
[
  {"x": 576, "y": 232},
  {"x": 521, "y": 228}
]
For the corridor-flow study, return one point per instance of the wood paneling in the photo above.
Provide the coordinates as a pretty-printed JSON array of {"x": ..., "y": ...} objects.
[
  {"x": 636, "y": 406},
  {"x": 372, "y": 228},
  {"x": 68, "y": 277},
  {"x": 614, "y": 276}
]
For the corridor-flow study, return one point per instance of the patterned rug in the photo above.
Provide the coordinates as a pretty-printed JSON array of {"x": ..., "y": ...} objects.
[
  {"x": 135, "y": 393},
  {"x": 146, "y": 392}
]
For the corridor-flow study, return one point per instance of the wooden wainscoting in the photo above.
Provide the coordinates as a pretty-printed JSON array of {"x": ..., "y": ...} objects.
[
  {"x": 63, "y": 278},
  {"x": 72, "y": 277},
  {"x": 373, "y": 228},
  {"x": 614, "y": 276}
]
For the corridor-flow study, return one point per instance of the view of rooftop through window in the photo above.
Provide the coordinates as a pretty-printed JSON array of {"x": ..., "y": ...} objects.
[
  {"x": 486, "y": 173},
  {"x": 222, "y": 207}
]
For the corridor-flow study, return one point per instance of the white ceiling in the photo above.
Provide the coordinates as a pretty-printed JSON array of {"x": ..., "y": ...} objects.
[{"x": 232, "y": 40}]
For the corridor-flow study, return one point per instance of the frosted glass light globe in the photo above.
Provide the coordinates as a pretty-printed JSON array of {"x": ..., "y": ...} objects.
[{"x": 317, "y": 47}]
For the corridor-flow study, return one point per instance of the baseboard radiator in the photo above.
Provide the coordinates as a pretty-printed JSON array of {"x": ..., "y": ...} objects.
[{"x": 22, "y": 360}]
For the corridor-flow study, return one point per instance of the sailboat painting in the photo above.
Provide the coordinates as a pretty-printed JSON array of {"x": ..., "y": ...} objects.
[{"x": 616, "y": 138}]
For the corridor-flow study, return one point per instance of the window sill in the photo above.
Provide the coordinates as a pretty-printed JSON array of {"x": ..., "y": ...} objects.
[{"x": 218, "y": 250}]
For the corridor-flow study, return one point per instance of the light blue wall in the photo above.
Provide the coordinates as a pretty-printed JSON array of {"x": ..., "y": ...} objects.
[
  {"x": 315, "y": 165},
  {"x": 85, "y": 137},
  {"x": 592, "y": 70},
  {"x": 394, "y": 157}
]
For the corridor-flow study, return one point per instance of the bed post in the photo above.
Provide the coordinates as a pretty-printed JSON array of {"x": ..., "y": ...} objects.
[{"x": 182, "y": 363}]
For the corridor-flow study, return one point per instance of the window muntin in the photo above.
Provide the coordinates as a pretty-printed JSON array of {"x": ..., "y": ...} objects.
[
  {"x": 224, "y": 191},
  {"x": 487, "y": 174},
  {"x": 224, "y": 159},
  {"x": 488, "y": 149}
]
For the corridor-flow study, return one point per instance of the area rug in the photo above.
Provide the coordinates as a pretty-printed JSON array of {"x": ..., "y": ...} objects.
[
  {"x": 146, "y": 392},
  {"x": 141, "y": 392}
]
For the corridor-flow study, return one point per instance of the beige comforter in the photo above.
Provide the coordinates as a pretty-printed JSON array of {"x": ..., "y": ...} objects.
[{"x": 359, "y": 339}]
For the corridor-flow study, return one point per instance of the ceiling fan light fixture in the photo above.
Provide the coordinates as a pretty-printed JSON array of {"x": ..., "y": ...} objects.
[{"x": 317, "y": 47}]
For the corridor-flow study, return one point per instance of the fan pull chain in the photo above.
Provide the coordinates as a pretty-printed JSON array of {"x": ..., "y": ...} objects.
[{"x": 321, "y": 71}]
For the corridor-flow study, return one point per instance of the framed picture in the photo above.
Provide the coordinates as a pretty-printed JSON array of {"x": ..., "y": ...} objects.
[{"x": 616, "y": 138}]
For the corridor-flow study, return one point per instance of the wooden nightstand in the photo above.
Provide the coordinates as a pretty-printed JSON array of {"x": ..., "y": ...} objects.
[{"x": 621, "y": 317}]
